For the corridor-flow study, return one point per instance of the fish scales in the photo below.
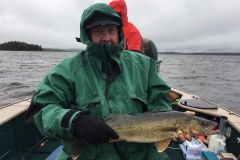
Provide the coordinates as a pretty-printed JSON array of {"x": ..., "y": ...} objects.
[{"x": 146, "y": 128}]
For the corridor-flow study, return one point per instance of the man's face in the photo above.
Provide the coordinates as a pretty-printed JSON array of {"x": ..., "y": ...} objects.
[{"x": 106, "y": 34}]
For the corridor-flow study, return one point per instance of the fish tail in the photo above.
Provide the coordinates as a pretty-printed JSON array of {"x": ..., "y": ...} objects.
[{"x": 76, "y": 146}]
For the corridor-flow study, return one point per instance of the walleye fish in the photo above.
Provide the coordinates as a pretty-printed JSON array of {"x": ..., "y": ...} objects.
[{"x": 151, "y": 127}]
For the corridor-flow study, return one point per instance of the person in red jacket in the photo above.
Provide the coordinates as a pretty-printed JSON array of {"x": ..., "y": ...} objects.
[{"x": 132, "y": 37}]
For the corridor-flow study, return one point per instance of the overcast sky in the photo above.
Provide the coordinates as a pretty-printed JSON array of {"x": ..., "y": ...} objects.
[{"x": 174, "y": 25}]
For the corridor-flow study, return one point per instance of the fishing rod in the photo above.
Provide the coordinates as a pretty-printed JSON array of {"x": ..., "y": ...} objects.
[{"x": 41, "y": 143}]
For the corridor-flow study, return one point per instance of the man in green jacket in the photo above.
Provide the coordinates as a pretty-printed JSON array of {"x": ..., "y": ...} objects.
[{"x": 74, "y": 97}]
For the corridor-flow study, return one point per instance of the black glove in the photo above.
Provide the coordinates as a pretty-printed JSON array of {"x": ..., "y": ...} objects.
[{"x": 93, "y": 129}]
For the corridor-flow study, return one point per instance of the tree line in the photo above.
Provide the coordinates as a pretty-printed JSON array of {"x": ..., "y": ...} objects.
[{"x": 19, "y": 46}]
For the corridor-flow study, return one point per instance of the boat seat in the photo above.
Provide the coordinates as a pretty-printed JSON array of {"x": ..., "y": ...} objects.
[
  {"x": 55, "y": 153},
  {"x": 150, "y": 49}
]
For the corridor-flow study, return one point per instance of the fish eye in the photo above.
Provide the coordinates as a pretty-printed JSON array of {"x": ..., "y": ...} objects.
[{"x": 205, "y": 123}]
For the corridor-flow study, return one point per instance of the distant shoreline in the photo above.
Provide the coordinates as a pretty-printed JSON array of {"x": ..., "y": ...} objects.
[
  {"x": 202, "y": 53},
  {"x": 159, "y": 53},
  {"x": 176, "y": 53},
  {"x": 61, "y": 50}
]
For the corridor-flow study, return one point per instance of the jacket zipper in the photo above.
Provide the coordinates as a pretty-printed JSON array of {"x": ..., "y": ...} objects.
[{"x": 108, "y": 72}]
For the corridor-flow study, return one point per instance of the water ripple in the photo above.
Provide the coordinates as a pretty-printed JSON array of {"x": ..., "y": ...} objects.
[{"x": 215, "y": 78}]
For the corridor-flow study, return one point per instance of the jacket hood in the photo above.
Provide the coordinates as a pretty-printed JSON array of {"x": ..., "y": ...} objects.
[
  {"x": 91, "y": 12},
  {"x": 121, "y": 8}
]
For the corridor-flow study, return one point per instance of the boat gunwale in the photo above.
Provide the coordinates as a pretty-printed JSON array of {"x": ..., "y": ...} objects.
[
  {"x": 11, "y": 109},
  {"x": 213, "y": 112}
]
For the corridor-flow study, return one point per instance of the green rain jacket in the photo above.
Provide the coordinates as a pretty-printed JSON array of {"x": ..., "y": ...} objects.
[{"x": 103, "y": 79}]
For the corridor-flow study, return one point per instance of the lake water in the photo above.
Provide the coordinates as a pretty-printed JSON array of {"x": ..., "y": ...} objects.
[{"x": 214, "y": 77}]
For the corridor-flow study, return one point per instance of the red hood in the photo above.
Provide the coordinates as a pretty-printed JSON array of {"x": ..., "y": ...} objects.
[{"x": 121, "y": 8}]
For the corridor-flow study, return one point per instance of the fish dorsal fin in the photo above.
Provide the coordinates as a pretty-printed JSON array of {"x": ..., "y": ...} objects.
[
  {"x": 114, "y": 116},
  {"x": 162, "y": 145}
]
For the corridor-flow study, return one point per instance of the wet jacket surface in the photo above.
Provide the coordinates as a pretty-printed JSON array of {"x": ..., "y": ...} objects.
[
  {"x": 132, "y": 36},
  {"x": 103, "y": 79}
]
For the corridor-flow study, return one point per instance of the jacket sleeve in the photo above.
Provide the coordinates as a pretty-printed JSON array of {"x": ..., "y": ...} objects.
[
  {"x": 50, "y": 109},
  {"x": 158, "y": 90}
]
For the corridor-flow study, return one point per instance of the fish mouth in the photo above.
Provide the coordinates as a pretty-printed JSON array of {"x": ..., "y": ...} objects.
[
  {"x": 214, "y": 132},
  {"x": 210, "y": 131}
]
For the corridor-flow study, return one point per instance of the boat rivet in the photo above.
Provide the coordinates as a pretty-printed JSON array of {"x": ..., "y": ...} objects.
[{"x": 231, "y": 112}]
